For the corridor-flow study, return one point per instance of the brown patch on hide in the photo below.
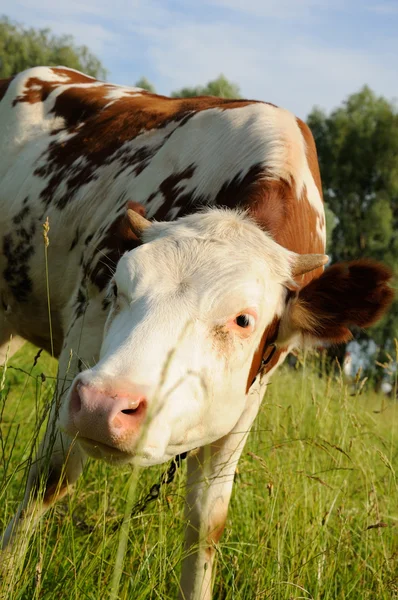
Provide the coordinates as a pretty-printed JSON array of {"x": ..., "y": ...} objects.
[
  {"x": 214, "y": 537},
  {"x": 312, "y": 155},
  {"x": 216, "y": 527},
  {"x": 291, "y": 221},
  {"x": 173, "y": 196},
  {"x": 240, "y": 191},
  {"x": 117, "y": 239},
  {"x": 37, "y": 90},
  {"x": 263, "y": 352},
  {"x": 55, "y": 487}
]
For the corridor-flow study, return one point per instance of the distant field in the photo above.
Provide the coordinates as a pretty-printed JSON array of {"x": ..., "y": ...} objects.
[{"x": 314, "y": 512}]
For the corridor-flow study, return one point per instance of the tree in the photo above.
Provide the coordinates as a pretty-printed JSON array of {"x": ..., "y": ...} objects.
[
  {"x": 21, "y": 48},
  {"x": 358, "y": 156},
  {"x": 220, "y": 87},
  {"x": 331, "y": 222},
  {"x": 145, "y": 85}
]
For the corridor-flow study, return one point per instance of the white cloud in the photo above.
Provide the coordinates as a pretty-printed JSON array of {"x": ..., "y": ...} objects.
[
  {"x": 294, "y": 72},
  {"x": 273, "y": 50}
]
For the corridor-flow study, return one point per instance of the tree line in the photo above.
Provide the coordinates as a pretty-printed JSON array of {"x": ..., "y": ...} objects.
[{"x": 357, "y": 148}]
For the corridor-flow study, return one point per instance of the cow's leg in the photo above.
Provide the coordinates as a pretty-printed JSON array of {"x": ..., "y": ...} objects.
[
  {"x": 58, "y": 464},
  {"x": 209, "y": 486},
  {"x": 10, "y": 342},
  {"x": 60, "y": 460}
]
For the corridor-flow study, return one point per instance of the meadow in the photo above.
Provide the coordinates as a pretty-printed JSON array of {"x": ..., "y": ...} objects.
[{"x": 314, "y": 512}]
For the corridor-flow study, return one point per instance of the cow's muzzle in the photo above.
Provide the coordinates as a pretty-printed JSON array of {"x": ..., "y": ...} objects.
[{"x": 113, "y": 417}]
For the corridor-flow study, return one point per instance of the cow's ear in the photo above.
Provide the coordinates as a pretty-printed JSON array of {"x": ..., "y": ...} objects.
[{"x": 345, "y": 295}]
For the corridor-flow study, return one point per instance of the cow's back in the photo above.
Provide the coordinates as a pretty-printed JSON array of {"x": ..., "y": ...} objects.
[{"x": 76, "y": 150}]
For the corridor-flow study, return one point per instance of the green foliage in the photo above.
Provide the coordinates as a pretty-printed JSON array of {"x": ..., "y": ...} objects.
[
  {"x": 313, "y": 512},
  {"x": 358, "y": 155},
  {"x": 331, "y": 222},
  {"x": 21, "y": 48},
  {"x": 145, "y": 84},
  {"x": 220, "y": 87}
]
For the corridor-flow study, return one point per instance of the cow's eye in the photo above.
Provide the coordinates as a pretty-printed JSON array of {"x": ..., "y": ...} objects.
[{"x": 245, "y": 320}]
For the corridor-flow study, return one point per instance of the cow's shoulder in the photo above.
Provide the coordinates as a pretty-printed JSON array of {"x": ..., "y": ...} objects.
[
  {"x": 37, "y": 83},
  {"x": 112, "y": 112}
]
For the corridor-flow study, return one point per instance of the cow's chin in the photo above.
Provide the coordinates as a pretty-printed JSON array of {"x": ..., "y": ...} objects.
[{"x": 146, "y": 457}]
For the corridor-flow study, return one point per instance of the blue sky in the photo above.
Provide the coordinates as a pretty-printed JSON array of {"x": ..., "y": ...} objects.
[{"x": 295, "y": 53}]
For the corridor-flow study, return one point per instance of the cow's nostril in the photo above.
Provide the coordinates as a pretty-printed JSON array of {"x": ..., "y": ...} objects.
[
  {"x": 134, "y": 406},
  {"x": 97, "y": 413},
  {"x": 75, "y": 401},
  {"x": 132, "y": 416}
]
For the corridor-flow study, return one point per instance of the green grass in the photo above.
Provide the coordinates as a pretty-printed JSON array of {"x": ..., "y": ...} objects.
[{"x": 314, "y": 513}]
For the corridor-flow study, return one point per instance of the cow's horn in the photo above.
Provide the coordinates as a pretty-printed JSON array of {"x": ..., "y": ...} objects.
[
  {"x": 137, "y": 223},
  {"x": 304, "y": 263}
]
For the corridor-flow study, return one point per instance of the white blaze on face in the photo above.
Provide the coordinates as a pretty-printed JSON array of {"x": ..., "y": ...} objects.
[{"x": 191, "y": 305}]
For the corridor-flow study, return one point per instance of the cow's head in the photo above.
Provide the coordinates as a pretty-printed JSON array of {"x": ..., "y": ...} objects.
[{"x": 189, "y": 308}]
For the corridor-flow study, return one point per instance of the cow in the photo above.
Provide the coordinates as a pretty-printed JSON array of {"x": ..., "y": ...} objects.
[{"x": 183, "y": 257}]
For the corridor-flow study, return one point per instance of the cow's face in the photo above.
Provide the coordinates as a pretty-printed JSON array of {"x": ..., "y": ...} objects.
[{"x": 189, "y": 307}]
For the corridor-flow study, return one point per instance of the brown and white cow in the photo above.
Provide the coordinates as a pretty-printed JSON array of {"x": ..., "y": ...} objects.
[{"x": 167, "y": 320}]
